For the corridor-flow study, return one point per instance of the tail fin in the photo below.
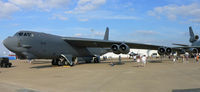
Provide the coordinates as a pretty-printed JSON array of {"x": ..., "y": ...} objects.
[
  {"x": 106, "y": 36},
  {"x": 192, "y": 36},
  {"x": 191, "y": 32}
]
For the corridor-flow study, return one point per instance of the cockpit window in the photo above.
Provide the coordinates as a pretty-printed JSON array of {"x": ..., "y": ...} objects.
[{"x": 24, "y": 34}]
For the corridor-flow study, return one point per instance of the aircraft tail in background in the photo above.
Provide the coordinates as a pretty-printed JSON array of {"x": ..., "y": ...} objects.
[
  {"x": 106, "y": 36},
  {"x": 193, "y": 38}
]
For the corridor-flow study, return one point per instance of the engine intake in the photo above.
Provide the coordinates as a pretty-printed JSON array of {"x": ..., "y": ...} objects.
[
  {"x": 164, "y": 50},
  {"x": 195, "y": 38},
  {"x": 124, "y": 49},
  {"x": 168, "y": 51},
  {"x": 161, "y": 51},
  {"x": 115, "y": 49},
  {"x": 193, "y": 50}
]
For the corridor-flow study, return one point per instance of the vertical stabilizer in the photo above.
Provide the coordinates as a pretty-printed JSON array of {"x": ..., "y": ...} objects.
[
  {"x": 106, "y": 36},
  {"x": 191, "y": 32},
  {"x": 193, "y": 37}
]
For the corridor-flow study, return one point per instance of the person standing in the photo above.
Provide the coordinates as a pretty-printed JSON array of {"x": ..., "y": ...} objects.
[
  {"x": 197, "y": 58},
  {"x": 187, "y": 57},
  {"x": 183, "y": 58},
  {"x": 134, "y": 58},
  {"x": 138, "y": 60},
  {"x": 174, "y": 59},
  {"x": 144, "y": 60}
]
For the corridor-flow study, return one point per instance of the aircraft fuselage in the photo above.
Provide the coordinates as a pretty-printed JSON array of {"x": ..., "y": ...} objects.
[{"x": 36, "y": 45}]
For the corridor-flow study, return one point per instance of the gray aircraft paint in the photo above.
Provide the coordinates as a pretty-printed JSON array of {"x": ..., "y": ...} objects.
[
  {"x": 44, "y": 46},
  {"x": 37, "y": 45}
]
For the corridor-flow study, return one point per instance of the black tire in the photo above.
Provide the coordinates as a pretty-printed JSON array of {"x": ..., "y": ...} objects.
[
  {"x": 60, "y": 63},
  {"x": 65, "y": 63},
  {"x": 98, "y": 61},
  {"x": 95, "y": 60},
  {"x": 72, "y": 64},
  {"x": 6, "y": 65},
  {"x": 54, "y": 62}
]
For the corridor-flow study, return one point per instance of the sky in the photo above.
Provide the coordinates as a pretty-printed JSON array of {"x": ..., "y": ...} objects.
[{"x": 158, "y": 22}]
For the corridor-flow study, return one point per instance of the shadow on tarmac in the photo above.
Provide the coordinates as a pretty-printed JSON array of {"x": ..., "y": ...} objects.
[
  {"x": 112, "y": 63},
  {"x": 43, "y": 66},
  {"x": 187, "y": 90},
  {"x": 40, "y": 62},
  {"x": 155, "y": 61}
]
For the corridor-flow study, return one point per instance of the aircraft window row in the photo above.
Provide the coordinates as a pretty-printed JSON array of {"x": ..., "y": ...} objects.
[{"x": 25, "y": 34}]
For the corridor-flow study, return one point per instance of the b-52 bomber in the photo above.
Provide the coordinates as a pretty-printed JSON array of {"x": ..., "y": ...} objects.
[{"x": 64, "y": 50}]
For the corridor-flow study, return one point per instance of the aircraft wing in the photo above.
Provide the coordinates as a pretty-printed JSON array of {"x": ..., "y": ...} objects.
[
  {"x": 84, "y": 42},
  {"x": 184, "y": 45}
]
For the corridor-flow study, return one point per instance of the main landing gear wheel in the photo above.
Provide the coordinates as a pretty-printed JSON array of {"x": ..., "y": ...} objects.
[
  {"x": 96, "y": 60},
  {"x": 62, "y": 61},
  {"x": 54, "y": 62}
]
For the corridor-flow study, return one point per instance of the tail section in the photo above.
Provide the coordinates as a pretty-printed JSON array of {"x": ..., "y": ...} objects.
[
  {"x": 193, "y": 37},
  {"x": 191, "y": 32},
  {"x": 106, "y": 36}
]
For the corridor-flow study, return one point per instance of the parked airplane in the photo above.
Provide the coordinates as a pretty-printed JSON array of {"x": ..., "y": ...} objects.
[
  {"x": 64, "y": 50},
  {"x": 193, "y": 48}
]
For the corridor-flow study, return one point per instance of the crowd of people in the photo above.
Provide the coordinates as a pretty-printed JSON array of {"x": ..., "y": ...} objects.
[{"x": 141, "y": 60}]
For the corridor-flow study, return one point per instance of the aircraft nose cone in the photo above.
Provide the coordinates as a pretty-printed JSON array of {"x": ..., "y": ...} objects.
[
  {"x": 5, "y": 42},
  {"x": 10, "y": 43}
]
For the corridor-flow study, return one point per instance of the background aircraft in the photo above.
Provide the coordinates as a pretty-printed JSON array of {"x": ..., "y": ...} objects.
[
  {"x": 193, "y": 49},
  {"x": 64, "y": 50}
]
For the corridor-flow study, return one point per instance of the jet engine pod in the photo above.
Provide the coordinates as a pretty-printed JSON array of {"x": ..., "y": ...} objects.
[
  {"x": 161, "y": 51},
  {"x": 196, "y": 37},
  {"x": 115, "y": 49},
  {"x": 193, "y": 50},
  {"x": 168, "y": 51},
  {"x": 124, "y": 49}
]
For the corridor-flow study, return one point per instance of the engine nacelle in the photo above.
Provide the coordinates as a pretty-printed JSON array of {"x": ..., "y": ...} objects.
[
  {"x": 115, "y": 49},
  {"x": 193, "y": 50},
  {"x": 168, "y": 51},
  {"x": 195, "y": 38},
  {"x": 161, "y": 51},
  {"x": 164, "y": 50},
  {"x": 124, "y": 49}
]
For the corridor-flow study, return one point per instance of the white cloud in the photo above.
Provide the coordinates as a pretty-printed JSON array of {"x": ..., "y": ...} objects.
[
  {"x": 122, "y": 17},
  {"x": 41, "y": 4},
  {"x": 60, "y": 17},
  {"x": 11, "y": 6},
  {"x": 86, "y": 5},
  {"x": 7, "y": 9},
  {"x": 190, "y": 12},
  {"x": 92, "y": 34}
]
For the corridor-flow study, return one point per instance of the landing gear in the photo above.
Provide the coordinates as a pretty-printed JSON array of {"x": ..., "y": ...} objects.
[
  {"x": 62, "y": 60},
  {"x": 96, "y": 60},
  {"x": 54, "y": 62}
]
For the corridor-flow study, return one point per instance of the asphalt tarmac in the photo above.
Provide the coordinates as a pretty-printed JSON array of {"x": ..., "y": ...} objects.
[{"x": 41, "y": 76}]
